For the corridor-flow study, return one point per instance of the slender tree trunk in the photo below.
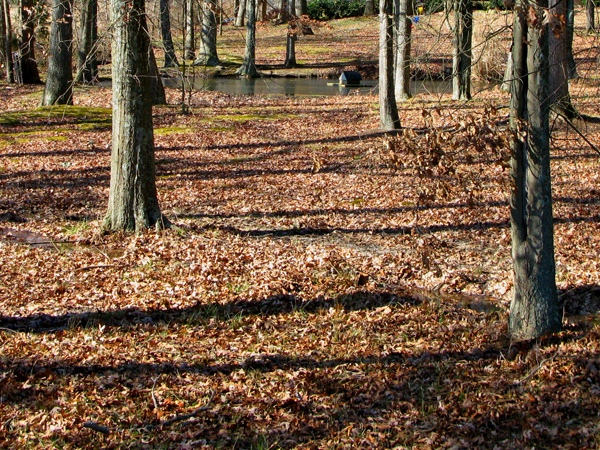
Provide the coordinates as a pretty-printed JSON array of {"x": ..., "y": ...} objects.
[
  {"x": 302, "y": 8},
  {"x": 5, "y": 55},
  {"x": 167, "y": 38},
  {"x": 388, "y": 110},
  {"x": 59, "y": 78},
  {"x": 190, "y": 38},
  {"x": 10, "y": 73},
  {"x": 404, "y": 11},
  {"x": 292, "y": 36},
  {"x": 87, "y": 63},
  {"x": 369, "y": 8},
  {"x": 207, "y": 55},
  {"x": 534, "y": 309},
  {"x": 157, "y": 89},
  {"x": 133, "y": 201},
  {"x": 569, "y": 37},
  {"x": 241, "y": 12},
  {"x": 559, "y": 59},
  {"x": 590, "y": 19},
  {"x": 461, "y": 60},
  {"x": 29, "y": 67},
  {"x": 248, "y": 68}
]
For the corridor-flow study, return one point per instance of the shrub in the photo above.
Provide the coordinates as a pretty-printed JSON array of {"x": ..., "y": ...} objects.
[{"x": 335, "y": 9}]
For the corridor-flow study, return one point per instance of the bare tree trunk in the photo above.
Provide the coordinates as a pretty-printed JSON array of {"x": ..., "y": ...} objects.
[
  {"x": 569, "y": 37},
  {"x": 29, "y": 67},
  {"x": 10, "y": 73},
  {"x": 590, "y": 19},
  {"x": 388, "y": 110},
  {"x": 208, "y": 38},
  {"x": 404, "y": 11},
  {"x": 59, "y": 78},
  {"x": 292, "y": 36},
  {"x": 369, "y": 8},
  {"x": 5, "y": 55},
  {"x": 534, "y": 308},
  {"x": 167, "y": 38},
  {"x": 190, "y": 38},
  {"x": 461, "y": 60},
  {"x": 241, "y": 12},
  {"x": 157, "y": 89},
  {"x": 559, "y": 59},
  {"x": 302, "y": 8},
  {"x": 87, "y": 63},
  {"x": 133, "y": 200},
  {"x": 248, "y": 68}
]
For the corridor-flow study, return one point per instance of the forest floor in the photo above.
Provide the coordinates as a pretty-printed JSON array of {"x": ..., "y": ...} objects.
[{"x": 324, "y": 285}]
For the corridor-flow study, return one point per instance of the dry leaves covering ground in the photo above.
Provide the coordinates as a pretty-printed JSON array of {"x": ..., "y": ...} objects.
[{"x": 325, "y": 286}]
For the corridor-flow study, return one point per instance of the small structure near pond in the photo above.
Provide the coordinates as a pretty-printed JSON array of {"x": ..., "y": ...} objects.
[{"x": 350, "y": 78}]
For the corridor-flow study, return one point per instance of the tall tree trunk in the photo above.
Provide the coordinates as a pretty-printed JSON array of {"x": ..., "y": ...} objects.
[
  {"x": 190, "y": 38},
  {"x": 87, "y": 63},
  {"x": 10, "y": 73},
  {"x": 59, "y": 78},
  {"x": 207, "y": 55},
  {"x": 292, "y": 36},
  {"x": 404, "y": 11},
  {"x": 559, "y": 58},
  {"x": 570, "y": 32},
  {"x": 133, "y": 201},
  {"x": 302, "y": 8},
  {"x": 5, "y": 55},
  {"x": 534, "y": 309},
  {"x": 461, "y": 58},
  {"x": 167, "y": 38},
  {"x": 590, "y": 19},
  {"x": 241, "y": 12},
  {"x": 28, "y": 64},
  {"x": 369, "y": 8},
  {"x": 388, "y": 110},
  {"x": 248, "y": 68}
]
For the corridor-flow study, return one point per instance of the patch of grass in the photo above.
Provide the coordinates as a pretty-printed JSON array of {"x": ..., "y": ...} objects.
[{"x": 165, "y": 131}]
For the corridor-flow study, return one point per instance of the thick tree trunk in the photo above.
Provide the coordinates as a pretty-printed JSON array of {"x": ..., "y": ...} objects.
[
  {"x": 59, "y": 78},
  {"x": 241, "y": 13},
  {"x": 404, "y": 11},
  {"x": 302, "y": 8},
  {"x": 461, "y": 58},
  {"x": 28, "y": 64},
  {"x": 190, "y": 38},
  {"x": 207, "y": 54},
  {"x": 133, "y": 202},
  {"x": 292, "y": 31},
  {"x": 534, "y": 308},
  {"x": 388, "y": 110},
  {"x": 248, "y": 68},
  {"x": 87, "y": 63},
  {"x": 369, "y": 8},
  {"x": 590, "y": 19},
  {"x": 559, "y": 58},
  {"x": 10, "y": 73},
  {"x": 167, "y": 38}
]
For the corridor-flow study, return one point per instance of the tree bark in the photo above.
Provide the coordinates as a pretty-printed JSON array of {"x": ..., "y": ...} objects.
[
  {"x": 87, "y": 63},
  {"x": 302, "y": 8},
  {"x": 559, "y": 57},
  {"x": 59, "y": 77},
  {"x": 292, "y": 36},
  {"x": 534, "y": 309},
  {"x": 133, "y": 201},
  {"x": 207, "y": 55},
  {"x": 369, "y": 8},
  {"x": 572, "y": 67},
  {"x": 10, "y": 73},
  {"x": 190, "y": 38},
  {"x": 5, "y": 55},
  {"x": 404, "y": 11},
  {"x": 590, "y": 19},
  {"x": 157, "y": 89},
  {"x": 167, "y": 38},
  {"x": 241, "y": 12},
  {"x": 28, "y": 65},
  {"x": 388, "y": 109},
  {"x": 461, "y": 58},
  {"x": 248, "y": 68}
]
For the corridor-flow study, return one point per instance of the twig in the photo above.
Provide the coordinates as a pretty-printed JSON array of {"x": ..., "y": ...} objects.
[
  {"x": 190, "y": 415},
  {"x": 99, "y": 266},
  {"x": 572, "y": 125},
  {"x": 94, "y": 426},
  {"x": 152, "y": 392}
]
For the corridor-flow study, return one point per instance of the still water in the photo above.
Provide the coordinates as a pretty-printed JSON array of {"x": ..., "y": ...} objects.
[{"x": 299, "y": 86}]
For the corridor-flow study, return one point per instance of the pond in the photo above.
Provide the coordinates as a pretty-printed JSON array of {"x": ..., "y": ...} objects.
[{"x": 300, "y": 86}]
